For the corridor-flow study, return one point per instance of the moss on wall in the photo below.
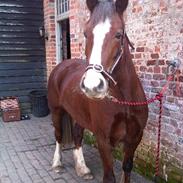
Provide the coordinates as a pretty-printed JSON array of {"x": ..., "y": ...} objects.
[{"x": 144, "y": 162}]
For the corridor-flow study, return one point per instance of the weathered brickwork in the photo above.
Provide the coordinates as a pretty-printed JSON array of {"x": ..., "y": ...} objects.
[
  {"x": 49, "y": 16},
  {"x": 156, "y": 29},
  {"x": 78, "y": 16}
]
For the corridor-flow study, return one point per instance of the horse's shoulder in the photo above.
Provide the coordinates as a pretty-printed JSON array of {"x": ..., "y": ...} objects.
[{"x": 69, "y": 66}]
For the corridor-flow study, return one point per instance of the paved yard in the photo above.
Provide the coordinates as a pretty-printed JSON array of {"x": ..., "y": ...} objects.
[{"x": 26, "y": 152}]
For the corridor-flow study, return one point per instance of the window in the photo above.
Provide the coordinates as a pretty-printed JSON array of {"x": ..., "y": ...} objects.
[
  {"x": 62, "y": 30},
  {"x": 62, "y": 9}
]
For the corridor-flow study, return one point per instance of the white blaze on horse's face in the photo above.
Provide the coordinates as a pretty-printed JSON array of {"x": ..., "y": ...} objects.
[
  {"x": 93, "y": 83},
  {"x": 99, "y": 33}
]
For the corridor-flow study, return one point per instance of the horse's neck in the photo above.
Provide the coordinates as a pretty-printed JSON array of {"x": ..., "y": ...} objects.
[{"x": 128, "y": 82}]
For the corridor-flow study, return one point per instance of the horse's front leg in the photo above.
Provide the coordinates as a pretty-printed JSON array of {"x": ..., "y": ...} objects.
[
  {"x": 129, "y": 150},
  {"x": 107, "y": 159},
  {"x": 127, "y": 165},
  {"x": 80, "y": 166}
]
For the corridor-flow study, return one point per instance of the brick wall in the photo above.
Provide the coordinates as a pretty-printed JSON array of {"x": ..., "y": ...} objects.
[
  {"x": 78, "y": 16},
  {"x": 156, "y": 29},
  {"x": 49, "y": 23}
]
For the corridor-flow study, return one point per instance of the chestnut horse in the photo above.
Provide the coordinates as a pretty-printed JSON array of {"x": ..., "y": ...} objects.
[{"x": 81, "y": 91}]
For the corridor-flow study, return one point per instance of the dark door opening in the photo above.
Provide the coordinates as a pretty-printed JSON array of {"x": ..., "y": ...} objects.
[{"x": 65, "y": 42}]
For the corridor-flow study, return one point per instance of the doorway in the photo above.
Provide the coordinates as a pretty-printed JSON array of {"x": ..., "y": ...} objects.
[{"x": 65, "y": 39}]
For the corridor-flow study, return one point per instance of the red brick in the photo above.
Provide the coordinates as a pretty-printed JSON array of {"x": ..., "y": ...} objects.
[
  {"x": 150, "y": 69},
  {"x": 161, "y": 62},
  {"x": 151, "y": 62},
  {"x": 142, "y": 68},
  {"x": 178, "y": 92},
  {"x": 138, "y": 55},
  {"x": 132, "y": 55},
  {"x": 158, "y": 76},
  {"x": 154, "y": 56},
  {"x": 154, "y": 83},
  {"x": 174, "y": 123},
  {"x": 178, "y": 132},
  {"x": 180, "y": 78},
  {"x": 140, "y": 49},
  {"x": 157, "y": 69},
  {"x": 157, "y": 49}
]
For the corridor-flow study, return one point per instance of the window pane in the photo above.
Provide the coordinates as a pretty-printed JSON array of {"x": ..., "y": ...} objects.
[{"x": 62, "y": 6}]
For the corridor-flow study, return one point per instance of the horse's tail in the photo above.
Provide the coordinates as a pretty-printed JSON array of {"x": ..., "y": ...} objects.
[{"x": 67, "y": 128}]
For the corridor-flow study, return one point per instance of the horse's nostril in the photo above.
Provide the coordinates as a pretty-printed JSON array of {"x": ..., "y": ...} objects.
[
  {"x": 99, "y": 87},
  {"x": 82, "y": 84},
  {"x": 101, "y": 84}
]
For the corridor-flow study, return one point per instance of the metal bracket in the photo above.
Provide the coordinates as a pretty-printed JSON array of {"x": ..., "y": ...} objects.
[
  {"x": 173, "y": 66},
  {"x": 175, "y": 63}
]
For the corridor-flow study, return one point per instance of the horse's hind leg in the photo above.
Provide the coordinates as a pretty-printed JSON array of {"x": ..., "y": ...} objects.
[
  {"x": 56, "y": 119},
  {"x": 81, "y": 169}
]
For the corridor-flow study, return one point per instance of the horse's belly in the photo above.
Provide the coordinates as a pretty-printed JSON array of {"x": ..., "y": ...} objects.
[{"x": 80, "y": 117}]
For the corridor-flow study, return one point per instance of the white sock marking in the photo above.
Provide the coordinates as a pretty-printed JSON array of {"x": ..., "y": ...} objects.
[
  {"x": 80, "y": 165},
  {"x": 57, "y": 156}
]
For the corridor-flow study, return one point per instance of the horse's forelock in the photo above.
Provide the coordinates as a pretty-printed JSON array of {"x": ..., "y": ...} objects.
[{"x": 102, "y": 11}]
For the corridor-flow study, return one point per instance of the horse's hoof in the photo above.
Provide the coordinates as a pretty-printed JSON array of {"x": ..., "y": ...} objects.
[
  {"x": 88, "y": 176},
  {"x": 57, "y": 169}
]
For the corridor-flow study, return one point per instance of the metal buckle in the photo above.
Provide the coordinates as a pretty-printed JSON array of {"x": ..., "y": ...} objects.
[{"x": 98, "y": 68}]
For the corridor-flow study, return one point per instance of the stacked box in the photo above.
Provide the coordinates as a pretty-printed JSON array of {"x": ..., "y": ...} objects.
[{"x": 10, "y": 109}]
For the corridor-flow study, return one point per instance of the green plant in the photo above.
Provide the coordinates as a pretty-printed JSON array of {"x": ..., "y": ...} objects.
[
  {"x": 144, "y": 161},
  {"x": 89, "y": 138}
]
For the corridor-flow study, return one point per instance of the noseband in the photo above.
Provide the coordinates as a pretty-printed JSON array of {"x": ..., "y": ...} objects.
[{"x": 100, "y": 69}]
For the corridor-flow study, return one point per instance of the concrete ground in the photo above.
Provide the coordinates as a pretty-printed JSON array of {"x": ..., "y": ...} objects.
[{"x": 26, "y": 152}]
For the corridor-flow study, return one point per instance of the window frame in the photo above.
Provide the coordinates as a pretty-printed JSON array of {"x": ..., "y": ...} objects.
[
  {"x": 62, "y": 9},
  {"x": 60, "y": 14}
]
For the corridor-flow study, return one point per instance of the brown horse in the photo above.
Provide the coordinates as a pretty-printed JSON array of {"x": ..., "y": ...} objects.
[{"x": 82, "y": 90}]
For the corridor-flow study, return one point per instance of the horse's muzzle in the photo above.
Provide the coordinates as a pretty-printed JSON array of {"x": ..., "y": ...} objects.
[{"x": 94, "y": 85}]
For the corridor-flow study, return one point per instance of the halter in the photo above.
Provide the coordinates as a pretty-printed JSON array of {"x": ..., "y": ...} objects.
[
  {"x": 120, "y": 52},
  {"x": 100, "y": 69}
]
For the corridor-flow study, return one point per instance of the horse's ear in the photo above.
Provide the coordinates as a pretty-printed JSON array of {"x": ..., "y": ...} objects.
[
  {"x": 121, "y": 5},
  {"x": 91, "y": 4}
]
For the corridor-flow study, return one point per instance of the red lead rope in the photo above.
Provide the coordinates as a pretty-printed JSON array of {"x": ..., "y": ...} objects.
[
  {"x": 158, "y": 97},
  {"x": 158, "y": 144}
]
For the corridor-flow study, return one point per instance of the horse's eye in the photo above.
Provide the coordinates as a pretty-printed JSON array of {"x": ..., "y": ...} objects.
[{"x": 118, "y": 35}]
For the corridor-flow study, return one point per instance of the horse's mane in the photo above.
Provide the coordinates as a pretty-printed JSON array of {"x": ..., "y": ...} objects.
[{"x": 102, "y": 11}]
